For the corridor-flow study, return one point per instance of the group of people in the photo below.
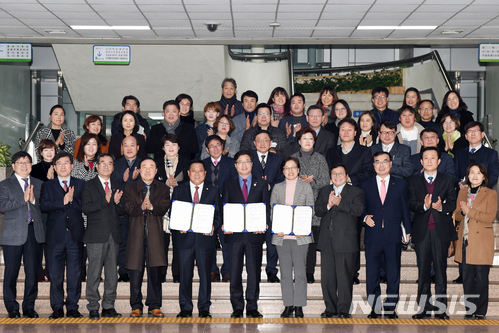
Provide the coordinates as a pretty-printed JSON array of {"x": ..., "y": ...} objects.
[{"x": 108, "y": 200}]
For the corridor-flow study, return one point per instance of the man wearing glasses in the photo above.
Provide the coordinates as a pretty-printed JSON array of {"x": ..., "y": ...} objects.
[
  {"x": 381, "y": 110},
  {"x": 425, "y": 111},
  {"x": 101, "y": 202}
]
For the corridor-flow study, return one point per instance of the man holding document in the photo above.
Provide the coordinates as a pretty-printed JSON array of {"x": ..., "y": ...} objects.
[
  {"x": 194, "y": 228},
  {"x": 246, "y": 217}
]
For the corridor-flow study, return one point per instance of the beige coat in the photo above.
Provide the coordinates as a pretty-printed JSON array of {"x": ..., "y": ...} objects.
[{"x": 480, "y": 250}]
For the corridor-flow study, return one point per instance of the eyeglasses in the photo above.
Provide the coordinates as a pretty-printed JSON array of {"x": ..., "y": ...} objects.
[
  {"x": 315, "y": 115},
  {"x": 223, "y": 124},
  {"x": 449, "y": 122},
  {"x": 262, "y": 140},
  {"x": 63, "y": 163},
  {"x": 243, "y": 162},
  {"x": 104, "y": 165},
  {"x": 215, "y": 146},
  {"x": 433, "y": 137},
  {"x": 473, "y": 131},
  {"x": 337, "y": 174},
  {"x": 382, "y": 162},
  {"x": 425, "y": 109},
  {"x": 264, "y": 114},
  {"x": 455, "y": 99},
  {"x": 340, "y": 109},
  {"x": 379, "y": 97},
  {"x": 294, "y": 167},
  {"x": 185, "y": 104},
  {"x": 387, "y": 133},
  {"x": 23, "y": 163}
]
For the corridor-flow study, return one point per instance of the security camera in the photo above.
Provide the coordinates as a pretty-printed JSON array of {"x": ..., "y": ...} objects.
[{"x": 212, "y": 26}]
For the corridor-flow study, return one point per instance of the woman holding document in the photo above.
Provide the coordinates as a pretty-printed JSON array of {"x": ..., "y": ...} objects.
[{"x": 292, "y": 250}]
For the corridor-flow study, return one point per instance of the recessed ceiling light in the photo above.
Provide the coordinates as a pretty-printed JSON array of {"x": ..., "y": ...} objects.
[
  {"x": 396, "y": 27},
  {"x": 274, "y": 25},
  {"x": 451, "y": 32},
  {"x": 110, "y": 27},
  {"x": 55, "y": 31}
]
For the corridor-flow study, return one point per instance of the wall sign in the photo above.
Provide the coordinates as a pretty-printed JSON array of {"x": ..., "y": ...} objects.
[
  {"x": 111, "y": 54},
  {"x": 20, "y": 52},
  {"x": 489, "y": 53}
]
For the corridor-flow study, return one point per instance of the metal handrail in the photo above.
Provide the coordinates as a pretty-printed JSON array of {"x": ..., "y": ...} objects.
[
  {"x": 23, "y": 144},
  {"x": 246, "y": 56}
]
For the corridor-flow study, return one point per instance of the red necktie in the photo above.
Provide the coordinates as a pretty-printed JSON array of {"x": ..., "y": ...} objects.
[
  {"x": 106, "y": 188},
  {"x": 65, "y": 187},
  {"x": 196, "y": 195},
  {"x": 245, "y": 190},
  {"x": 215, "y": 162}
]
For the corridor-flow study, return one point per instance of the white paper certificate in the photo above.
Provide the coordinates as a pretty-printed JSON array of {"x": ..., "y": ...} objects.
[
  {"x": 234, "y": 217},
  {"x": 303, "y": 220},
  {"x": 180, "y": 218},
  {"x": 282, "y": 219},
  {"x": 202, "y": 220},
  {"x": 256, "y": 217}
]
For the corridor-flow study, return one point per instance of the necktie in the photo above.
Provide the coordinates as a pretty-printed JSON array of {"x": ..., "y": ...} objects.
[
  {"x": 473, "y": 150},
  {"x": 382, "y": 193},
  {"x": 106, "y": 188},
  {"x": 65, "y": 187},
  {"x": 263, "y": 161},
  {"x": 245, "y": 190},
  {"x": 215, "y": 162},
  {"x": 431, "y": 180},
  {"x": 25, "y": 187},
  {"x": 196, "y": 196},
  {"x": 148, "y": 192}
]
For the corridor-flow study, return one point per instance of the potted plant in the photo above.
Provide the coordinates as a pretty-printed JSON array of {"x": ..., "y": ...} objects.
[{"x": 5, "y": 163}]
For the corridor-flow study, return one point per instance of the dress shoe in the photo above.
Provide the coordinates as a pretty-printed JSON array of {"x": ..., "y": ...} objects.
[
  {"x": 310, "y": 278},
  {"x": 57, "y": 314},
  {"x": 458, "y": 280},
  {"x": 299, "y": 312},
  {"x": 422, "y": 315},
  {"x": 382, "y": 279},
  {"x": 94, "y": 314},
  {"x": 15, "y": 314},
  {"x": 327, "y": 314},
  {"x": 136, "y": 313},
  {"x": 442, "y": 316},
  {"x": 479, "y": 317},
  {"x": 185, "y": 314},
  {"x": 204, "y": 314},
  {"x": 345, "y": 315},
  {"x": 272, "y": 278},
  {"x": 156, "y": 313},
  {"x": 226, "y": 278},
  {"x": 373, "y": 315},
  {"x": 288, "y": 312},
  {"x": 110, "y": 313},
  {"x": 468, "y": 316},
  {"x": 356, "y": 280},
  {"x": 30, "y": 314},
  {"x": 73, "y": 314},
  {"x": 124, "y": 278},
  {"x": 215, "y": 277},
  {"x": 176, "y": 279},
  {"x": 253, "y": 314},
  {"x": 237, "y": 314},
  {"x": 392, "y": 315}
]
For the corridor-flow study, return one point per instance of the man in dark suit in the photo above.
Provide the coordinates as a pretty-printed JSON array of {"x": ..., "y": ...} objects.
[
  {"x": 432, "y": 198},
  {"x": 195, "y": 246},
  {"x": 385, "y": 207},
  {"x": 187, "y": 138},
  {"x": 219, "y": 168},
  {"x": 22, "y": 234},
  {"x": 400, "y": 154},
  {"x": 245, "y": 189},
  {"x": 267, "y": 166},
  {"x": 101, "y": 202},
  {"x": 429, "y": 138},
  {"x": 126, "y": 170},
  {"x": 380, "y": 96},
  {"x": 61, "y": 199},
  {"x": 476, "y": 152},
  {"x": 340, "y": 205}
]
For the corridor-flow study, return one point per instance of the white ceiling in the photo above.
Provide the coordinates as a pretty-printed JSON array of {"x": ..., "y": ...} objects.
[{"x": 247, "y": 21}]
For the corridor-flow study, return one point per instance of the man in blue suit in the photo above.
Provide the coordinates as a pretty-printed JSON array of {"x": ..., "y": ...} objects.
[
  {"x": 476, "y": 152},
  {"x": 429, "y": 138},
  {"x": 22, "y": 234},
  {"x": 61, "y": 199},
  {"x": 219, "y": 168},
  {"x": 195, "y": 246},
  {"x": 386, "y": 207}
]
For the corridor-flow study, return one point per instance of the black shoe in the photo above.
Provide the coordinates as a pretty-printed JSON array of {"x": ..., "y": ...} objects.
[
  {"x": 442, "y": 316},
  {"x": 176, "y": 279},
  {"x": 299, "y": 312},
  {"x": 57, "y": 314},
  {"x": 382, "y": 279},
  {"x": 73, "y": 314},
  {"x": 468, "y": 316},
  {"x": 124, "y": 278},
  {"x": 422, "y": 315},
  {"x": 185, "y": 314},
  {"x": 110, "y": 313},
  {"x": 392, "y": 315},
  {"x": 14, "y": 314},
  {"x": 345, "y": 315},
  {"x": 458, "y": 280},
  {"x": 30, "y": 314},
  {"x": 310, "y": 278},
  {"x": 327, "y": 314},
  {"x": 204, "y": 314},
  {"x": 253, "y": 314},
  {"x": 373, "y": 315},
  {"x": 94, "y": 314},
  {"x": 237, "y": 314},
  {"x": 356, "y": 280},
  {"x": 288, "y": 312},
  {"x": 272, "y": 278},
  {"x": 479, "y": 317}
]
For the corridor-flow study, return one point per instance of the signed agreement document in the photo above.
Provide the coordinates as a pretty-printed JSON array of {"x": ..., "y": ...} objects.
[
  {"x": 292, "y": 220},
  {"x": 186, "y": 216},
  {"x": 245, "y": 217}
]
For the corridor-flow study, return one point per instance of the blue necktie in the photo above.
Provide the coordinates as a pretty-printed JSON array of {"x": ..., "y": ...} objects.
[
  {"x": 473, "y": 150},
  {"x": 431, "y": 180}
]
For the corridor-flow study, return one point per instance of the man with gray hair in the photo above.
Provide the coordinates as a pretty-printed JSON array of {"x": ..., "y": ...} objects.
[{"x": 228, "y": 102}]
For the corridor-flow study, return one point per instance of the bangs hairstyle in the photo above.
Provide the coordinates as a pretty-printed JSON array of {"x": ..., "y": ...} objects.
[
  {"x": 327, "y": 89},
  {"x": 445, "y": 108},
  {"x": 57, "y": 106},
  {"x": 180, "y": 97},
  {"x": 123, "y": 102},
  {"x": 46, "y": 143},
  {"x": 452, "y": 117},
  {"x": 306, "y": 130},
  {"x": 483, "y": 171},
  {"x": 19, "y": 155},
  {"x": 212, "y": 105},
  {"x": 417, "y": 94},
  {"x": 169, "y": 137},
  {"x": 120, "y": 123},
  {"x": 332, "y": 114},
  {"x": 232, "y": 127},
  {"x": 375, "y": 128},
  {"x": 280, "y": 91},
  {"x": 92, "y": 119},
  {"x": 85, "y": 138},
  {"x": 287, "y": 159}
]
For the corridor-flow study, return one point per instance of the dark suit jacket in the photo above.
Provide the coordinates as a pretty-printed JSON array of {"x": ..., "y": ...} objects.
[
  {"x": 103, "y": 218},
  {"x": 388, "y": 114},
  {"x": 209, "y": 195},
  {"x": 60, "y": 215},
  {"x": 325, "y": 140},
  {"x": 484, "y": 155},
  {"x": 359, "y": 162},
  {"x": 182, "y": 166},
  {"x": 393, "y": 211},
  {"x": 187, "y": 140},
  {"x": 339, "y": 224},
  {"x": 277, "y": 135},
  {"x": 444, "y": 188},
  {"x": 446, "y": 164},
  {"x": 227, "y": 170},
  {"x": 117, "y": 139},
  {"x": 289, "y": 120},
  {"x": 401, "y": 159},
  {"x": 272, "y": 168},
  {"x": 12, "y": 204},
  {"x": 120, "y": 165},
  {"x": 259, "y": 192}
]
